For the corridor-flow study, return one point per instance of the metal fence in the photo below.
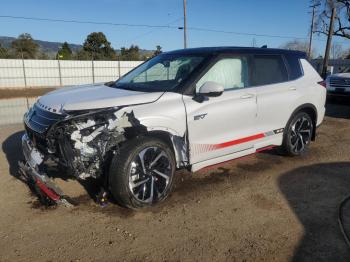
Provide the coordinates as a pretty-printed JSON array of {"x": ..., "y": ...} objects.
[{"x": 18, "y": 73}]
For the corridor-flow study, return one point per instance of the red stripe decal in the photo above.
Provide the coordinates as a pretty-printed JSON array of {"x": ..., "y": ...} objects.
[{"x": 239, "y": 141}]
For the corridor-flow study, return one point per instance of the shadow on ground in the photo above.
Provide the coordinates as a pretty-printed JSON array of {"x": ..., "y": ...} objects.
[
  {"x": 13, "y": 150},
  {"x": 338, "y": 107},
  {"x": 314, "y": 193}
]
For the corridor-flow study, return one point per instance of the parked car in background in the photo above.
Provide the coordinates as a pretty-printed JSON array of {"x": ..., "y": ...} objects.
[
  {"x": 339, "y": 84},
  {"x": 188, "y": 108}
]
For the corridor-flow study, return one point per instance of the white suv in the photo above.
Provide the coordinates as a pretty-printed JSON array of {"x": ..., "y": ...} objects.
[{"x": 189, "y": 108}]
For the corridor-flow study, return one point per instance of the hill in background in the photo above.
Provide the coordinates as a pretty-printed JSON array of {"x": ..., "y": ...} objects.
[{"x": 51, "y": 48}]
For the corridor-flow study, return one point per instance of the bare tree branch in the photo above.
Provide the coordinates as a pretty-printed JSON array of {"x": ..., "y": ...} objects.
[{"x": 342, "y": 25}]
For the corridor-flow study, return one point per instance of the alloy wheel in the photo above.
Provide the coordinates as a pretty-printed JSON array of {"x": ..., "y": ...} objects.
[
  {"x": 149, "y": 175},
  {"x": 301, "y": 133}
]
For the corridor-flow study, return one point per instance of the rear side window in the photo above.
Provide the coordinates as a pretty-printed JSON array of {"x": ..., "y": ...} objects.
[
  {"x": 269, "y": 69},
  {"x": 294, "y": 65}
]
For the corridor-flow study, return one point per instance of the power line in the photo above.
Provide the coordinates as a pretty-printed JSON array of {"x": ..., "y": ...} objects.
[
  {"x": 143, "y": 25},
  {"x": 153, "y": 30},
  {"x": 85, "y": 22},
  {"x": 157, "y": 26},
  {"x": 241, "y": 33}
]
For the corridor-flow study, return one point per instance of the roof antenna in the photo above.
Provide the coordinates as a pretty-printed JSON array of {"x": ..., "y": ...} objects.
[{"x": 264, "y": 46}]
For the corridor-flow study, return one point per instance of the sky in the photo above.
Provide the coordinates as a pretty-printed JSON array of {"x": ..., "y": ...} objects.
[{"x": 272, "y": 17}]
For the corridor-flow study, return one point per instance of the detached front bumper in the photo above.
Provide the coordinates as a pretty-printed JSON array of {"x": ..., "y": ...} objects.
[{"x": 30, "y": 171}]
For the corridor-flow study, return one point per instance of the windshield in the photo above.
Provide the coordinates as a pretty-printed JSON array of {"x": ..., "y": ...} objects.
[{"x": 161, "y": 73}]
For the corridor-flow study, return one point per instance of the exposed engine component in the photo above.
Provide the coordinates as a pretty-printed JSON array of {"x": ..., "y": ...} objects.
[{"x": 85, "y": 141}]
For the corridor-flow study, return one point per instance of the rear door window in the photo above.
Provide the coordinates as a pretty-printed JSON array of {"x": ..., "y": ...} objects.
[{"x": 269, "y": 69}]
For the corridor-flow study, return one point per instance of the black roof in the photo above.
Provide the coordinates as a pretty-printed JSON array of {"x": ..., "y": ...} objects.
[{"x": 236, "y": 50}]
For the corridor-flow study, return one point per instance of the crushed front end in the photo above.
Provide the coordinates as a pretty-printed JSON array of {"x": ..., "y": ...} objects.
[{"x": 77, "y": 144}]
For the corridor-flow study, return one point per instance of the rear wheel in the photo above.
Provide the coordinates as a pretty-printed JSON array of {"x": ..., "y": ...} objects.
[
  {"x": 141, "y": 174},
  {"x": 298, "y": 134}
]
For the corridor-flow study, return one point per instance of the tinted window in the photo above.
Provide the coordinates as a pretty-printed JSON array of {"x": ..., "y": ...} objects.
[
  {"x": 295, "y": 70},
  {"x": 269, "y": 69},
  {"x": 232, "y": 73}
]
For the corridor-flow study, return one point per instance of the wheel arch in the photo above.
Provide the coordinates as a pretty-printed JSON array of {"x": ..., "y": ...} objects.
[{"x": 177, "y": 143}]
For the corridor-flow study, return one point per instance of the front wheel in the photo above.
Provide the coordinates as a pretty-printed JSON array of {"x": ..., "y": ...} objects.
[
  {"x": 141, "y": 174},
  {"x": 298, "y": 134}
]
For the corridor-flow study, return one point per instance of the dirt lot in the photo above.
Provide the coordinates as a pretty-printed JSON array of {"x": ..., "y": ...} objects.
[
  {"x": 261, "y": 208},
  {"x": 27, "y": 92}
]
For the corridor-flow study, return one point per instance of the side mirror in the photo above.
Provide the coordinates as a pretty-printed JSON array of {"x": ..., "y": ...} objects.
[{"x": 210, "y": 88}]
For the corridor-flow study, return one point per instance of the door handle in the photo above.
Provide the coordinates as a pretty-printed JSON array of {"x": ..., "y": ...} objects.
[
  {"x": 292, "y": 88},
  {"x": 246, "y": 96}
]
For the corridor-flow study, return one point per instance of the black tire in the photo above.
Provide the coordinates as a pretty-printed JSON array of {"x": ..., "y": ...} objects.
[
  {"x": 127, "y": 165},
  {"x": 297, "y": 141}
]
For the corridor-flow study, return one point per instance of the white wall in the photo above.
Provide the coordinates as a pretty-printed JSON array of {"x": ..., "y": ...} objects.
[{"x": 17, "y": 73}]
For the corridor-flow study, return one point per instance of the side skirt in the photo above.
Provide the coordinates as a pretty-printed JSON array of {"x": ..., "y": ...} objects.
[{"x": 259, "y": 147}]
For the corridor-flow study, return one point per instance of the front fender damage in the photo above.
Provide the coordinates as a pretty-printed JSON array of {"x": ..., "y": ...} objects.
[{"x": 84, "y": 145}]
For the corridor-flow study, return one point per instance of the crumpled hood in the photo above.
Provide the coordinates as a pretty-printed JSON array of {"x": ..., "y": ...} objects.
[
  {"x": 341, "y": 75},
  {"x": 93, "y": 97}
]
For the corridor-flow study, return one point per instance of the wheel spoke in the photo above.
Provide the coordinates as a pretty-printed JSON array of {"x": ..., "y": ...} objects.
[
  {"x": 144, "y": 191},
  {"x": 142, "y": 159},
  {"x": 162, "y": 175},
  {"x": 308, "y": 132},
  {"x": 137, "y": 184},
  {"x": 301, "y": 142},
  {"x": 162, "y": 153},
  {"x": 150, "y": 199},
  {"x": 302, "y": 121}
]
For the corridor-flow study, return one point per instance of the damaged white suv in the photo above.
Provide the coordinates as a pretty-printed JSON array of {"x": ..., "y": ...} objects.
[{"x": 182, "y": 109}]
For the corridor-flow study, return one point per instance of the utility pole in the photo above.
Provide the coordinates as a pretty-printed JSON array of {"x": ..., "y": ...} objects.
[
  {"x": 312, "y": 27},
  {"x": 329, "y": 43},
  {"x": 185, "y": 26},
  {"x": 254, "y": 43}
]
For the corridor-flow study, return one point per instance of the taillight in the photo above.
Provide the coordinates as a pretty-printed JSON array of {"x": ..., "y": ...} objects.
[{"x": 322, "y": 83}]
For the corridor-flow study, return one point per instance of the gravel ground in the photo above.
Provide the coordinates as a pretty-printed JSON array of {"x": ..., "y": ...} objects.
[{"x": 264, "y": 207}]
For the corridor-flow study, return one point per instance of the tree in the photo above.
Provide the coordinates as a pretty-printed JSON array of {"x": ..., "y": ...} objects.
[
  {"x": 337, "y": 51},
  {"x": 342, "y": 20},
  {"x": 130, "y": 54},
  {"x": 82, "y": 55},
  {"x": 298, "y": 45},
  {"x": 3, "y": 52},
  {"x": 64, "y": 53},
  {"x": 98, "y": 47},
  {"x": 25, "y": 47},
  {"x": 158, "y": 50}
]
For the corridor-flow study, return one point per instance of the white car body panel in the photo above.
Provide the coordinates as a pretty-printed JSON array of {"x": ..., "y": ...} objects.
[
  {"x": 237, "y": 123},
  {"x": 93, "y": 97},
  {"x": 315, "y": 94},
  {"x": 228, "y": 117}
]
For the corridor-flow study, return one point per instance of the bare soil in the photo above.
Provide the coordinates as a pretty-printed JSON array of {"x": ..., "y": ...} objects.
[
  {"x": 24, "y": 92},
  {"x": 265, "y": 207}
]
